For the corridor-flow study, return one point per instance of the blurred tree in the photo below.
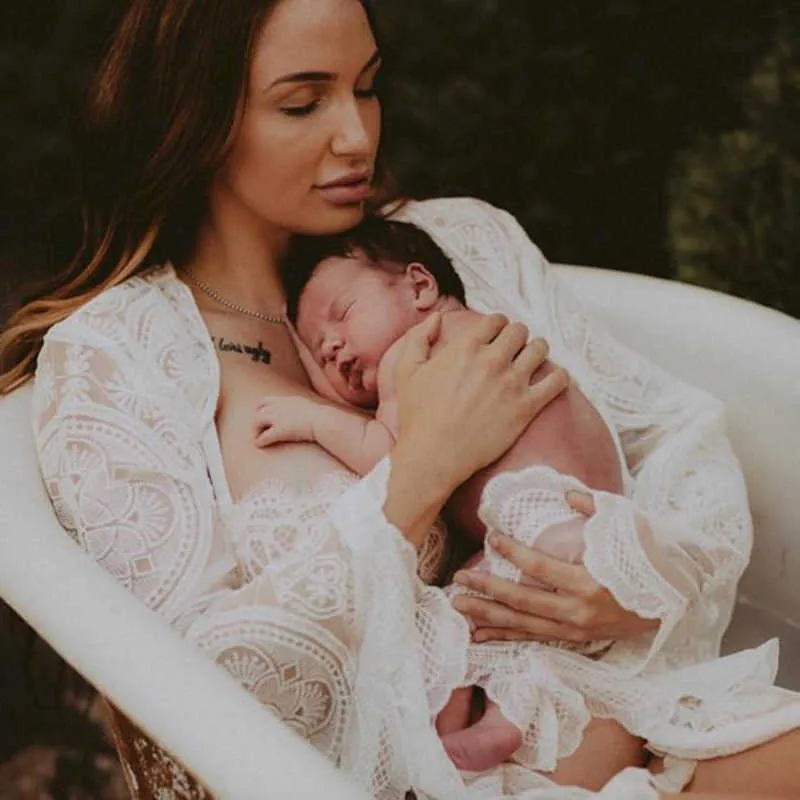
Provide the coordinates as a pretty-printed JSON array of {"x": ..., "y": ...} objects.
[
  {"x": 48, "y": 51},
  {"x": 568, "y": 116},
  {"x": 735, "y": 199}
]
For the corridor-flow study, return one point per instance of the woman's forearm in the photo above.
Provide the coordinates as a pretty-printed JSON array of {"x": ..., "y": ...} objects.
[{"x": 418, "y": 489}]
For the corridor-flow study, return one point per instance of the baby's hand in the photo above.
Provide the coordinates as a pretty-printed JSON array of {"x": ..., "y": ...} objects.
[{"x": 284, "y": 419}]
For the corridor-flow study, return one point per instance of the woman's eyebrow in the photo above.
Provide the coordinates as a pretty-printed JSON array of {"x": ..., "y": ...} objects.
[{"x": 316, "y": 76}]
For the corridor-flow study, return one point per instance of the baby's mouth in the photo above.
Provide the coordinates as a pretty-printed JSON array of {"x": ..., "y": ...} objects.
[{"x": 352, "y": 373}]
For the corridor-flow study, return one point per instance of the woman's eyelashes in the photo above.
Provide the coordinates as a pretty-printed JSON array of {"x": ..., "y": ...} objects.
[
  {"x": 303, "y": 110},
  {"x": 369, "y": 92}
]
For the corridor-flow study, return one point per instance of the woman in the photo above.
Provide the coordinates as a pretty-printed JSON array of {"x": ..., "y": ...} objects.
[{"x": 218, "y": 129}]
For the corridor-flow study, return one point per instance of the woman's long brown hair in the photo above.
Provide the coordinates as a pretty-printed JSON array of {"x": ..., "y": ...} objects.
[{"x": 162, "y": 113}]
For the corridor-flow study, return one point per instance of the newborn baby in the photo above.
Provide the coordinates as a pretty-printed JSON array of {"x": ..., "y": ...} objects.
[{"x": 352, "y": 298}]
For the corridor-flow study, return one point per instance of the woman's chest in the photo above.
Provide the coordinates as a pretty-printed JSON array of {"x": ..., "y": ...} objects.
[{"x": 255, "y": 364}]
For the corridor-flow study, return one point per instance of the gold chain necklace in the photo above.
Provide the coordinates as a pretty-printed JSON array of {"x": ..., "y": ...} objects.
[{"x": 214, "y": 295}]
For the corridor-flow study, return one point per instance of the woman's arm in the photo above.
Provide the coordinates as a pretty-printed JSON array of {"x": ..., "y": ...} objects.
[
  {"x": 310, "y": 600},
  {"x": 314, "y": 610},
  {"x": 676, "y": 547}
]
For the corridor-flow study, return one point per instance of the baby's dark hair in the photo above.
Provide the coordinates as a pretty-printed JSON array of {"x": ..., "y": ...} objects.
[{"x": 386, "y": 244}]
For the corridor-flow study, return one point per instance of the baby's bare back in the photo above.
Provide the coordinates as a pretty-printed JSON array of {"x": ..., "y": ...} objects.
[{"x": 569, "y": 435}]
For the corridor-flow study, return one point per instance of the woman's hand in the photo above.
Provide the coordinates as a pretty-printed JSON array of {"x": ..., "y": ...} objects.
[
  {"x": 458, "y": 411},
  {"x": 467, "y": 404},
  {"x": 577, "y": 609}
]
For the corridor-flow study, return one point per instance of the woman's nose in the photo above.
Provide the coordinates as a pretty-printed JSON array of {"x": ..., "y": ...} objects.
[{"x": 352, "y": 137}]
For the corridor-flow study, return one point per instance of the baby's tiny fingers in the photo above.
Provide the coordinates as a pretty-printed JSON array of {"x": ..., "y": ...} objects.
[
  {"x": 582, "y": 502},
  {"x": 267, "y": 437}
]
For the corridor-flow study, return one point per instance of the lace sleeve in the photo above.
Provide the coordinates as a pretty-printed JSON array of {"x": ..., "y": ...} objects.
[
  {"x": 676, "y": 549},
  {"x": 335, "y": 634}
]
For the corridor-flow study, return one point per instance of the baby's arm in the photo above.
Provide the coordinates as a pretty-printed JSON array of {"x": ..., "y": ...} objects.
[{"x": 357, "y": 441}]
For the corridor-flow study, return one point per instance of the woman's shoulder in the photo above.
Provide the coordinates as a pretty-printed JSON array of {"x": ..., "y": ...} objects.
[
  {"x": 147, "y": 332},
  {"x": 116, "y": 312},
  {"x": 444, "y": 211},
  {"x": 470, "y": 229},
  {"x": 487, "y": 245}
]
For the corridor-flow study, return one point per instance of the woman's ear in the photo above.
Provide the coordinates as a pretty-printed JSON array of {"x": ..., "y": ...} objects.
[{"x": 424, "y": 286}]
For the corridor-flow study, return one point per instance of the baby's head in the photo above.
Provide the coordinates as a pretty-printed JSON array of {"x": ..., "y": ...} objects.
[{"x": 353, "y": 294}]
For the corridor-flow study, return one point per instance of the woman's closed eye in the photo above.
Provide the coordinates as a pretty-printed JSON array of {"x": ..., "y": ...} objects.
[
  {"x": 373, "y": 83},
  {"x": 299, "y": 109},
  {"x": 367, "y": 92},
  {"x": 295, "y": 107}
]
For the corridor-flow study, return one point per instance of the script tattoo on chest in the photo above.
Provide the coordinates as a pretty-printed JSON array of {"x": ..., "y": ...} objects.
[{"x": 258, "y": 353}]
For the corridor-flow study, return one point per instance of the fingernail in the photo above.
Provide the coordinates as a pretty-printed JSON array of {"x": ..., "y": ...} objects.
[
  {"x": 494, "y": 539},
  {"x": 461, "y": 577},
  {"x": 472, "y": 626}
]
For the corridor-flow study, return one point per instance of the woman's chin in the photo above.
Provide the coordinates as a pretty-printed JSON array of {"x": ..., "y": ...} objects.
[{"x": 333, "y": 218}]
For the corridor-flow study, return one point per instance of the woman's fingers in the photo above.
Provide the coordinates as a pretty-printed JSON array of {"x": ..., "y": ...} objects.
[
  {"x": 487, "y": 614},
  {"x": 531, "y": 357},
  {"x": 564, "y": 577},
  {"x": 417, "y": 345},
  {"x": 547, "y": 389},
  {"x": 520, "y": 597},
  {"x": 508, "y": 343},
  {"x": 503, "y": 635},
  {"x": 486, "y": 329}
]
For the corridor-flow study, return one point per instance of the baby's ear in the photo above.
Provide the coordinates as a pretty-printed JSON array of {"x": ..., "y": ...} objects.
[{"x": 423, "y": 284}]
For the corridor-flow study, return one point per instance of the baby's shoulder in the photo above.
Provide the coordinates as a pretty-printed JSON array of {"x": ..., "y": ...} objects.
[{"x": 456, "y": 322}]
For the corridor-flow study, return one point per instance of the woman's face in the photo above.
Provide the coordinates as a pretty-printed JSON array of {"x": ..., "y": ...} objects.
[{"x": 303, "y": 158}]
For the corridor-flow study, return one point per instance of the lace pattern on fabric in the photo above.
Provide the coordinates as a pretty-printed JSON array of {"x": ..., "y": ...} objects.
[{"x": 314, "y": 604}]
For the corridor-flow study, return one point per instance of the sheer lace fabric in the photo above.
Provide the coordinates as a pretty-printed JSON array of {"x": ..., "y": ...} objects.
[{"x": 307, "y": 594}]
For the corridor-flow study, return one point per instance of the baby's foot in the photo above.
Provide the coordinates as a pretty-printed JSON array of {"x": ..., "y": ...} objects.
[
  {"x": 489, "y": 742},
  {"x": 454, "y": 716}
]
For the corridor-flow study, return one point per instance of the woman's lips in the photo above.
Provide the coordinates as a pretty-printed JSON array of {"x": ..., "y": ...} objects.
[{"x": 343, "y": 194}]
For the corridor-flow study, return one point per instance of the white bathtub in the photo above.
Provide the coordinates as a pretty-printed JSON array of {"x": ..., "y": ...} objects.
[{"x": 747, "y": 355}]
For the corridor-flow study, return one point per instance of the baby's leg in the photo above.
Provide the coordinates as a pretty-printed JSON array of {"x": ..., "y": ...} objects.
[{"x": 489, "y": 742}]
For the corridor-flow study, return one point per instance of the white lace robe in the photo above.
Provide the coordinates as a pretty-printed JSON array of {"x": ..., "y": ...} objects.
[{"x": 308, "y": 596}]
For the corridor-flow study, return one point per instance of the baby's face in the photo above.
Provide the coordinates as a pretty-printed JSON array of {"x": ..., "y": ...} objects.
[{"x": 348, "y": 316}]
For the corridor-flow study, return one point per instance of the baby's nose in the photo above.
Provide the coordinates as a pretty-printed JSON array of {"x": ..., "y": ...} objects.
[{"x": 330, "y": 348}]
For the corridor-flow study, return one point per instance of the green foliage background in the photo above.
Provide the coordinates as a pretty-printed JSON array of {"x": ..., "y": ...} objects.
[
  {"x": 734, "y": 216},
  {"x": 618, "y": 131}
]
